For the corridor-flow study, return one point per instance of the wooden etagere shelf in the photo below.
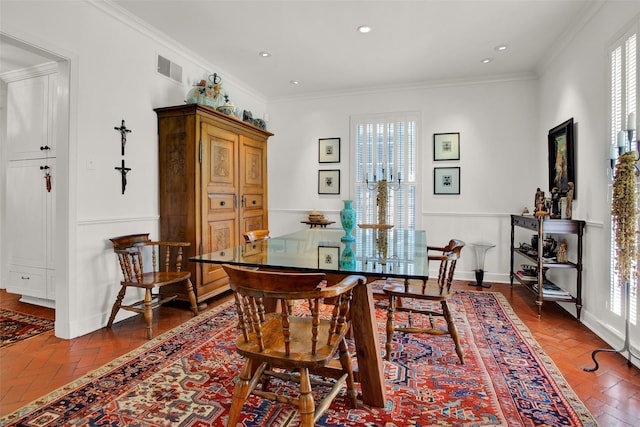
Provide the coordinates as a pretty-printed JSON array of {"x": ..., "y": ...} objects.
[{"x": 537, "y": 284}]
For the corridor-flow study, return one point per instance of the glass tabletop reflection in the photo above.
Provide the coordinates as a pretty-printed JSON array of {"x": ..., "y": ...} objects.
[{"x": 372, "y": 252}]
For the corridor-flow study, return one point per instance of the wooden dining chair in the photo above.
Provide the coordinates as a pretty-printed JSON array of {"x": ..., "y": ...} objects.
[
  {"x": 415, "y": 291},
  {"x": 255, "y": 235},
  {"x": 167, "y": 259},
  {"x": 302, "y": 341}
]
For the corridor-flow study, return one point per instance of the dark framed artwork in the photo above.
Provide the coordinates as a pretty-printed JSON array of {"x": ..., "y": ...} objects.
[
  {"x": 561, "y": 158},
  {"x": 329, "y": 257},
  {"x": 329, "y": 150},
  {"x": 446, "y": 146},
  {"x": 446, "y": 180},
  {"x": 329, "y": 181}
]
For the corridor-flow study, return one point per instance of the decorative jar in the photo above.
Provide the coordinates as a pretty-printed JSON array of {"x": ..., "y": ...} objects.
[{"x": 348, "y": 221}]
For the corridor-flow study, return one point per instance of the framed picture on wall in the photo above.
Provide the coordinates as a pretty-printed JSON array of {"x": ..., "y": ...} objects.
[
  {"x": 329, "y": 181},
  {"x": 561, "y": 158},
  {"x": 446, "y": 146},
  {"x": 446, "y": 180},
  {"x": 329, "y": 150}
]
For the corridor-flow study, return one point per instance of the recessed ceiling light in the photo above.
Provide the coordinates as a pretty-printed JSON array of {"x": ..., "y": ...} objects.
[
  {"x": 501, "y": 48},
  {"x": 264, "y": 54},
  {"x": 364, "y": 29},
  {"x": 294, "y": 82},
  {"x": 487, "y": 60}
]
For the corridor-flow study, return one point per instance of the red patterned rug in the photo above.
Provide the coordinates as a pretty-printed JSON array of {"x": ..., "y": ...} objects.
[
  {"x": 185, "y": 378},
  {"x": 16, "y": 326}
]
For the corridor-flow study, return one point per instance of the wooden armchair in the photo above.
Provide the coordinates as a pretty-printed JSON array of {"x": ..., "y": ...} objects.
[
  {"x": 255, "y": 235},
  {"x": 296, "y": 339},
  {"x": 431, "y": 290},
  {"x": 167, "y": 269}
]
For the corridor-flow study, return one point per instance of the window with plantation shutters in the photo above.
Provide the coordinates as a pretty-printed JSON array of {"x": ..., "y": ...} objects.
[
  {"x": 624, "y": 93},
  {"x": 385, "y": 147}
]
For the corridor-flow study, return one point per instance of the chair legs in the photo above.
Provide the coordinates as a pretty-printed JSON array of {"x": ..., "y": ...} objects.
[
  {"x": 306, "y": 405},
  {"x": 148, "y": 312},
  {"x": 250, "y": 377},
  {"x": 390, "y": 328},
  {"x": 446, "y": 313},
  {"x": 451, "y": 326},
  {"x": 192, "y": 297},
  {"x": 116, "y": 306},
  {"x": 247, "y": 381}
]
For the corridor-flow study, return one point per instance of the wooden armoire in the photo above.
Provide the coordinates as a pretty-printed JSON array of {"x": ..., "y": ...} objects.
[{"x": 213, "y": 186}]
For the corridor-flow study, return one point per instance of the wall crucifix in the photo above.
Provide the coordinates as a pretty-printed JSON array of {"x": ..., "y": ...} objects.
[
  {"x": 123, "y": 172},
  {"x": 123, "y": 134}
]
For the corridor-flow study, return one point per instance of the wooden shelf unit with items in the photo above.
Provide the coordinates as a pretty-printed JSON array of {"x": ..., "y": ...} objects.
[
  {"x": 213, "y": 186},
  {"x": 537, "y": 283}
]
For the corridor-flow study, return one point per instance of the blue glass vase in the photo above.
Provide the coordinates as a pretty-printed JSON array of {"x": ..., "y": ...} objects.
[
  {"x": 347, "y": 258},
  {"x": 348, "y": 221}
]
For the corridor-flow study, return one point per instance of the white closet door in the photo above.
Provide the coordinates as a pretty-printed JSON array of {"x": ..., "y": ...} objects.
[
  {"x": 28, "y": 104},
  {"x": 28, "y": 211}
]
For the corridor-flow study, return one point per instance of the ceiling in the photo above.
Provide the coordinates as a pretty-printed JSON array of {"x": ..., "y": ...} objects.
[{"x": 316, "y": 42}]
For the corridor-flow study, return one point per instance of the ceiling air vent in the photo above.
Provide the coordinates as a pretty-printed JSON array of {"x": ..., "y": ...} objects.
[{"x": 169, "y": 69}]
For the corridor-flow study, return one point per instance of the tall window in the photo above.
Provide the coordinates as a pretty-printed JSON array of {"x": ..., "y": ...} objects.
[
  {"x": 386, "y": 148},
  {"x": 624, "y": 93}
]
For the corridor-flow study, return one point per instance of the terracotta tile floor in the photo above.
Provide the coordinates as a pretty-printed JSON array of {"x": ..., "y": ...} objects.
[{"x": 39, "y": 365}]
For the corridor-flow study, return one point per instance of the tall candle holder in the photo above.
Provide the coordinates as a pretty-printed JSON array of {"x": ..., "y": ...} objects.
[
  {"x": 624, "y": 142},
  {"x": 382, "y": 198}
]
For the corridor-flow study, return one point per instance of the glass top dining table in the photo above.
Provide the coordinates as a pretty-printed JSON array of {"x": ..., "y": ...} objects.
[{"x": 373, "y": 253}]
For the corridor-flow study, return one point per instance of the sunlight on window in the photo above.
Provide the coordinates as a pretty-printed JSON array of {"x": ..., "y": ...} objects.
[{"x": 386, "y": 148}]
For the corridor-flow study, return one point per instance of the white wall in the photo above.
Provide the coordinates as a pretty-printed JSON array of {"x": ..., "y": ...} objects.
[
  {"x": 576, "y": 85},
  {"x": 499, "y": 146},
  {"x": 113, "y": 78}
]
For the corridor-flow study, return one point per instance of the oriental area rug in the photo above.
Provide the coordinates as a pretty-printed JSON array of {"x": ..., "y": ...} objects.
[
  {"x": 185, "y": 377},
  {"x": 16, "y": 326}
]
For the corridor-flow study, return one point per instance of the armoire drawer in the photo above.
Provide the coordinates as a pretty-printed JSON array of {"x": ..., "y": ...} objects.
[
  {"x": 221, "y": 202},
  {"x": 252, "y": 201}
]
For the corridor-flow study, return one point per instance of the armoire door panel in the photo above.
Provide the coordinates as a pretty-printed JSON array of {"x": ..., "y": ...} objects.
[
  {"x": 221, "y": 234},
  {"x": 253, "y": 165},
  {"x": 253, "y": 223},
  {"x": 221, "y": 160}
]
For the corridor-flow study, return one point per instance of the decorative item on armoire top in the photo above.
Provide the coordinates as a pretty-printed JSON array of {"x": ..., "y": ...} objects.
[
  {"x": 123, "y": 172},
  {"x": 207, "y": 94},
  {"x": 228, "y": 107},
  {"x": 123, "y": 134},
  {"x": 348, "y": 220}
]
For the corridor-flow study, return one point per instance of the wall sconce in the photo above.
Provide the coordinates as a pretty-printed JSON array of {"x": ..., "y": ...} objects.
[{"x": 624, "y": 141}]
